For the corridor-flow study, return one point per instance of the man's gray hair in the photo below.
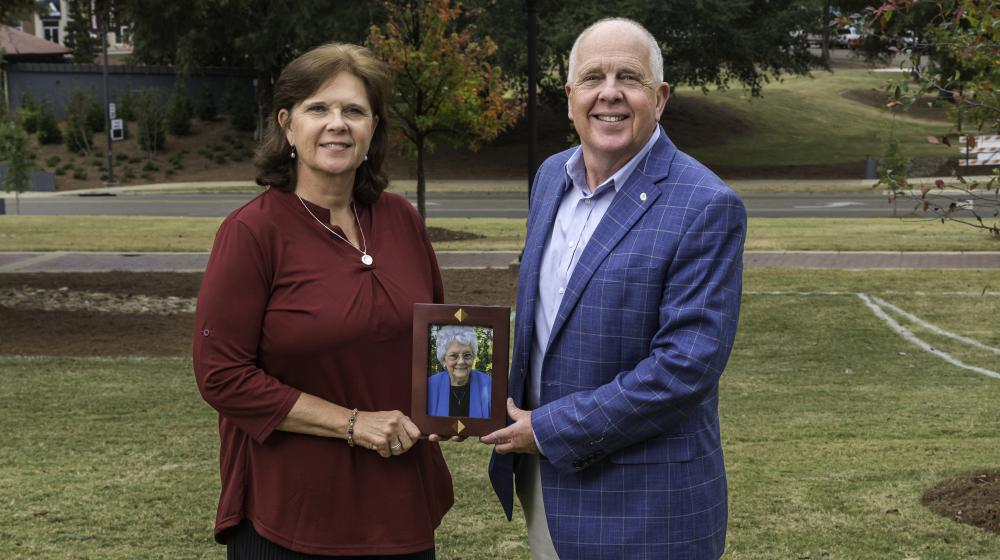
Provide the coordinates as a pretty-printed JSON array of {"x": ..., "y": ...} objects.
[
  {"x": 655, "y": 55},
  {"x": 455, "y": 333}
]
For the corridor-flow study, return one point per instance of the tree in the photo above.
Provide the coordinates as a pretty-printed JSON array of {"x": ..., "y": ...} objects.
[
  {"x": 965, "y": 35},
  {"x": 259, "y": 35},
  {"x": 78, "y": 37},
  {"x": 80, "y": 128},
  {"x": 446, "y": 86},
  {"x": 16, "y": 151},
  {"x": 706, "y": 43},
  {"x": 151, "y": 121}
]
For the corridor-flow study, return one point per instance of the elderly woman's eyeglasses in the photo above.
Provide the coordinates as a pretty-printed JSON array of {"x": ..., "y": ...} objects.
[{"x": 467, "y": 356}]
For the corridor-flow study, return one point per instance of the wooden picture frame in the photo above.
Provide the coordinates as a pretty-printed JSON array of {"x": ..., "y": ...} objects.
[{"x": 435, "y": 391}]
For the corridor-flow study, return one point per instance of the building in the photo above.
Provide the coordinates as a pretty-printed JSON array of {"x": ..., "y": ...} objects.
[{"x": 49, "y": 23}]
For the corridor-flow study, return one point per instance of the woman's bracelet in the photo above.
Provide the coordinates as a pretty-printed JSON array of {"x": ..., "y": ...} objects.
[{"x": 350, "y": 427}]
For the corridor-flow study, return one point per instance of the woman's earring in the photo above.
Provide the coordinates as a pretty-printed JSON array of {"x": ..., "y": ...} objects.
[
  {"x": 366, "y": 157},
  {"x": 293, "y": 152}
]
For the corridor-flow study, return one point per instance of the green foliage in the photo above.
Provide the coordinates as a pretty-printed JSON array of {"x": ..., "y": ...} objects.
[
  {"x": 17, "y": 152},
  {"x": 28, "y": 114},
  {"x": 151, "y": 121},
  {"x": 447, "y": 87},
  {"x": 126, "y": 105},
  {"x": 80, "y": 174},
  {"x": 81, "y": 122},
  {"x": 207, "y": 109},
  {"x": 52, "y": 161},
  {"x": 78, "y": 38},
  {"x": 36, "y": 118},
  {"x": 240, "y": 107},
  {"x": 706, "y": 43},
  {"x": 893, "y": 163},
  {"x": 179, "y": 110},
  {"x": 964, "y": 35}
]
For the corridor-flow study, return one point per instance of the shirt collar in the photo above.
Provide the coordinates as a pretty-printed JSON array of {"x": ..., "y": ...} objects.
[{"x": 577, "y": 171}]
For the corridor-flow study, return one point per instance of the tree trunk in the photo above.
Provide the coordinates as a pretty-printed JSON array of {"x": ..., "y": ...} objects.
[
  {"x": 825, "y": 22},
  {"x": 421, "y": 184},
  {"x": 17, "y": 202}
]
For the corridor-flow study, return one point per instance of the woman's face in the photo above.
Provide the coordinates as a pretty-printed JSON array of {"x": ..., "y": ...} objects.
[
  {"x": 458, "y": 359},
  {"x": 331, "y": 129}
]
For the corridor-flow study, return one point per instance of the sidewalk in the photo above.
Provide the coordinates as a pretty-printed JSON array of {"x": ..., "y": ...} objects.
[{"x": 59, "y": 261}]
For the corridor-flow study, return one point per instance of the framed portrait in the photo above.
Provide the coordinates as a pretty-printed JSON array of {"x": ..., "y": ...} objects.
[{"x": 460, "y": 364}]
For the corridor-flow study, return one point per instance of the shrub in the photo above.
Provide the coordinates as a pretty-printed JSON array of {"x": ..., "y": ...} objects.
[
  {"x": 84, "y": 118},
  {"x": 207, "y": 109},
  {"x": 52, "y": 161},
  {"x": 60, "y": 171},
  {"x": 240, "y": 106},
  {"x": 220, "y": 159},
  {"x": 80, "y": 174},
  {"x": 128, "y": 173},
  {"x": 179, "y": 111},
  {"x": 134, "y": 159},
  {"x": 28, "y": 113},
  {"x": 150, "y": 166},
  {"x": 125, "y": 106},
  {"x": 151, "y": 120},
  {"x": 121, "y": 158},
  {"x": 48, "y": 129}
]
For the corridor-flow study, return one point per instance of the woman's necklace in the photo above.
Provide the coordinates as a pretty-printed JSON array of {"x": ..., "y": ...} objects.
[{"x": 365, "y": 257}]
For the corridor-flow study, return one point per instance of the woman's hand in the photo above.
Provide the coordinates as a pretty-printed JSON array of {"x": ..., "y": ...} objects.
[{"x": 387, "y": 433}]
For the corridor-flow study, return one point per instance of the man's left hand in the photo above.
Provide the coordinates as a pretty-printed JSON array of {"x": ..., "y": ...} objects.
[{"x": 516, "y": 438}]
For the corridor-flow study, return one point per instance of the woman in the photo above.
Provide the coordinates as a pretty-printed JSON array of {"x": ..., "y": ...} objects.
[
  {"x": 303, "y": 339},
  {"x": 460, "y": 390}
]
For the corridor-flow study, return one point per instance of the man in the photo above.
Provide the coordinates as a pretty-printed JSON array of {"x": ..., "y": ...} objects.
[{"x": 627, "y": 309}]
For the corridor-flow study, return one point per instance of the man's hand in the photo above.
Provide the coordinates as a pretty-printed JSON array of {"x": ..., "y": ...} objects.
[{"x": 516, "y": 438}]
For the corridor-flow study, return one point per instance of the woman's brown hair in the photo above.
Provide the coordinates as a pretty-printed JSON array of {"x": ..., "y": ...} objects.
[{"x": 303, "y": 77}]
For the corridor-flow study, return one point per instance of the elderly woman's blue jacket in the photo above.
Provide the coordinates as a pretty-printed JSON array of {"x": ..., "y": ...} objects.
[{"x": 439, "y": 392}]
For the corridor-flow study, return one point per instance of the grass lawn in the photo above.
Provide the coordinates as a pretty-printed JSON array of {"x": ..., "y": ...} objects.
[
  {"x": 117, "y": 233},
  {"x": 833, "y": 425},
  {"x": 805, "y": 120}
]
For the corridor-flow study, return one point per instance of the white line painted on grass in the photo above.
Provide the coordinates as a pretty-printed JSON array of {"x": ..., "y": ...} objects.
[
  {"x": 935, "y": 328},
  {"x": 908, "y": 335}
]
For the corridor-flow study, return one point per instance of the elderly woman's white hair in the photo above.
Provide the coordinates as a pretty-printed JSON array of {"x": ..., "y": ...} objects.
[{"x": 455, "y": 333}]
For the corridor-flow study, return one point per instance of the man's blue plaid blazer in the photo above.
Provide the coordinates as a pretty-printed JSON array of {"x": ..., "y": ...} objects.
[{"x": 629, "y": 420}]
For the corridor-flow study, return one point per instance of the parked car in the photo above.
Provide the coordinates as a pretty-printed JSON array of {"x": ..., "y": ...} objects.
[{"x": 847, "y": 37}]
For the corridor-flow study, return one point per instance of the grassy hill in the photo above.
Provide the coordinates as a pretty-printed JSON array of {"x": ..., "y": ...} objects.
[{"x": 821, "y": 126}]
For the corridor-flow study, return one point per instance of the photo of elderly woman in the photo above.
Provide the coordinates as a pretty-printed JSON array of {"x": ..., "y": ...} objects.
[{"x": 460, "y": 389}]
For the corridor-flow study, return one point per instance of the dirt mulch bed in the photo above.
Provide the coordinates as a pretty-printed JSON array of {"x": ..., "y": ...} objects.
[
  {"x": 919, "y": 109},
  {"x": 444, "y": 234},
  {"x": 85, "y": 333},
  {"x": 972, "y": 499},
  {"x": 844, "y": 170}
]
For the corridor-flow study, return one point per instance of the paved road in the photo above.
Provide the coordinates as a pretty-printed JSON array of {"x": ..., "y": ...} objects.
[
  {"x": 195, "y": 262},
  {"x": 480, "y": 205}
]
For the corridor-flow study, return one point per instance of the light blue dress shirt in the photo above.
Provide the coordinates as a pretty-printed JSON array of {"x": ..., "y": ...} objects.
[{"x": 580, "y": 211}]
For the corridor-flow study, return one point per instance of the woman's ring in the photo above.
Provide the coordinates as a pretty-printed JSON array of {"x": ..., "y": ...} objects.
[{"x": 397, "y": 446}]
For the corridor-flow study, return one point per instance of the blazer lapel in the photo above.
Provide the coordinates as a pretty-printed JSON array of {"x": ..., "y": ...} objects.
[
  {"x": 539, "y": 228},
  {"x": 630, "y": 203}
]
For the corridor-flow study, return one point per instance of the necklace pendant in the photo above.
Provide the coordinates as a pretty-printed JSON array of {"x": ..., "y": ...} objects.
[{"x": 367, "y": 259}]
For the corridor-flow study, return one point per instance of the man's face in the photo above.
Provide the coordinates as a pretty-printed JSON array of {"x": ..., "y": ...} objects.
[{"x": 614, "y": 102}]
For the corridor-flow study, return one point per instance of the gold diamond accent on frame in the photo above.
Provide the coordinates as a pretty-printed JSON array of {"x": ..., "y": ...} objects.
[
  {"x": 459, "y": 426},
  {"x": 461, "y": 315}
]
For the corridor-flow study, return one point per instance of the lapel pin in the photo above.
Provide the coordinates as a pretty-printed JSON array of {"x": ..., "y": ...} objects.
[{"x": 642, "y": 197}]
